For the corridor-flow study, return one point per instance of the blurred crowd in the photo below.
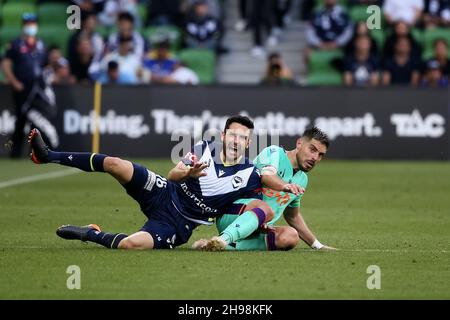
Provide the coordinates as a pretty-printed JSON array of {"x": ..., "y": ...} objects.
[
  {"x": 340, "y": 47},
  {"x": 122, "y": 53},
  {"x": 396, "y": 54}
]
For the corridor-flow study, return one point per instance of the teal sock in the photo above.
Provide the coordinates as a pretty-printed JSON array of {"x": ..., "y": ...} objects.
[
  {"x": 244, "y": 225},
  {"x": 259, "y": 242}
]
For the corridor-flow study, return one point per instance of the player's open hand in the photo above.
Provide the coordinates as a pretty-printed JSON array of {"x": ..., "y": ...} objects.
[
  {"x": 196, "y": 171},
  {"x": 293, "y": 188}
]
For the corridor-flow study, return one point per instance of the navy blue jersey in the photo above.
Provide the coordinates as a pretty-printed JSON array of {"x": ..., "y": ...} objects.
[
  {"x": 401, "y": 74},
  {"x": 28, "y": 61},
  {"x": 202, "y": 199},
  {"x": 361, "y": 70},
  {"x": 330, "y": 24}
]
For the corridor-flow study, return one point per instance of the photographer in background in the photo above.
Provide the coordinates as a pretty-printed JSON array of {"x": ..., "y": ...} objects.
[
  {"x": 34, "y": 100},
  {"x": 277, "y": 73}
]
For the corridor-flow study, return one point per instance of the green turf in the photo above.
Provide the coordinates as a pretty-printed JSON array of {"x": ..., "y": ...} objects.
[{"x": 392, "y": 214}]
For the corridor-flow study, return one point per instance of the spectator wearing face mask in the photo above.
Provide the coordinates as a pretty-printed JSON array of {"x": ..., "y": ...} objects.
[{"x": 23, "y": 66}]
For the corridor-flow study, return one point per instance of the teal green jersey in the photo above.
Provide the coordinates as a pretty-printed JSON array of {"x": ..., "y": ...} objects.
[{"x": 274, "y": 159}]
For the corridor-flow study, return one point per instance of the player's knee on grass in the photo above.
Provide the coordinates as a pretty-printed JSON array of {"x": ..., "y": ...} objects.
[
  {"x": 263, "y": 206},
  {"x": 137, "y": 241},
  {"x": 286, "y": 238},
  {"x": 120, "y": 169}
]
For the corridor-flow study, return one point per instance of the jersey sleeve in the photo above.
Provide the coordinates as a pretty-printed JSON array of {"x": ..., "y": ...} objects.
[
  {"x": 195, "y": 153},
  {"x": 268, "y": 161},
  {"x": 11, "y": 51},
  {"x": 253, "y": 189},
  {"x": 303, "y": 182}
]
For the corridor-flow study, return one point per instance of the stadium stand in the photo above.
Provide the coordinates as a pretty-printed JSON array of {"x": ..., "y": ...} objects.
[{"x": 235, "y": 66}]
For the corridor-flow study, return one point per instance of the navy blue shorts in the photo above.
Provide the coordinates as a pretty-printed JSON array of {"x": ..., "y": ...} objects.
[{"x": 153, "y": 192}]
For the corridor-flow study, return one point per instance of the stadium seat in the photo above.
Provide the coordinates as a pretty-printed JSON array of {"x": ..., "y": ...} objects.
[
  {"x": 52, "y": 35},
  {"x": 417, "y": 34},
  {"x": 2, "y": 77},
  {"x": 11, "y": 13},
  {"x": 52, "y": 14},
  {"x": 202, "y": 61},
  {"x": 8, "y": 33},
  {"x": 333, "y": 78},
  {"x": 358, "y": 13},
  {"x": 379, "y": 35},
  {"x": 142, "y": 11},
  {"x": 319, "y": 3},
  {"x": 104, "y": 31},
  {"x": 156, "y": 34},
  {"x": 20, "y": 1},
  {"x": 321, "y": 60},
  {"x": 429, "y": 36}
]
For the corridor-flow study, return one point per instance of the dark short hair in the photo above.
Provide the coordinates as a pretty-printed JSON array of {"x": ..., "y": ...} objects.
[
  {"x": 319, "y": 135},
  {"x": 163, "y": 44},
  {"x": 113, "y": 65},
  {"x": 123, "y": 39},
  {"x": 274, "y": 55},
  {"x": 125, "y": 16},
  {"x": 86, "y": 15},
  {"x": 53, "y": 47},
  {"x": 243, "y": 120}
]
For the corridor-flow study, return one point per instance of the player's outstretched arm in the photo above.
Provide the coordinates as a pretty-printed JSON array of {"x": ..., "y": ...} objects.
[
  {"x": 295, "y": 219},
  {"x": 181, "y": 172},
  {"x": 273, "y": 181}
]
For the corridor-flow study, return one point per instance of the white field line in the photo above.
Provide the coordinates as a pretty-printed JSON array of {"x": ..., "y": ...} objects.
[
  {"x": 302, "y": 250},
  {"x": 386, "y": 250},
  {"x": 38, "y": 177}
]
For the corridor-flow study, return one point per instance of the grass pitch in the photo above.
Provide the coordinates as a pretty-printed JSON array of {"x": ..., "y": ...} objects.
[{"x": 395, "y": 215}]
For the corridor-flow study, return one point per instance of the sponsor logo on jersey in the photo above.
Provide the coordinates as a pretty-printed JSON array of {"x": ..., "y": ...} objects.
[
  {"x": 237, "y": 182},
  {"x": 197, "y": 201}
]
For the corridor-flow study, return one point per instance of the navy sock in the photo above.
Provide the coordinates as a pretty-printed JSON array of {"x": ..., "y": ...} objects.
[
  {"x": 82, "y": 160},
  {"x": 108, "y": 240}
]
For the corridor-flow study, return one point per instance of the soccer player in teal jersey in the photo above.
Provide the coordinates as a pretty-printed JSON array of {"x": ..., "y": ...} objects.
[{"x": 285, "y": 167}]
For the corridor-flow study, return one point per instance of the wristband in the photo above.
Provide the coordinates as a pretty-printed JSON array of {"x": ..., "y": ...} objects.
[{"x": 317, "y": 245}]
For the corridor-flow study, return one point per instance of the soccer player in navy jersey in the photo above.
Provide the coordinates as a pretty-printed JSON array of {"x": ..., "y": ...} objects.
[{"x": 203, "y": 188}]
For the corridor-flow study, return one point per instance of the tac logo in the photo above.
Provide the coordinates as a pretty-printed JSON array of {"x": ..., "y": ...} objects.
[
  {"x": 237, "y": 182},
  {"x": 415, "y": 125}
]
